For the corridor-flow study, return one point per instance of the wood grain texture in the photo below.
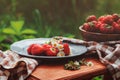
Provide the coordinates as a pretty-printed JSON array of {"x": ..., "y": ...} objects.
[
  {"x": 32, "y": 78},
  {"x": 56, "y": 71}
]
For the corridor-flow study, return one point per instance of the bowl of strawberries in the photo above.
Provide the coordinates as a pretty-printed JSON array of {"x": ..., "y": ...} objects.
[{"x": 103, "y": 28}]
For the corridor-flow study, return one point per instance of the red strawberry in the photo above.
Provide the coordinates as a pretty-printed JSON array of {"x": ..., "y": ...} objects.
[
  {"x": 86, "y": 26},
  {"x": 47, "y": 46},
  {"x": 52, "y": 51},
  {"x": 90, "y": 26},
  {"x": 66, "y": 49},
  {"x": 37, "y": 50},
  {"x": 118, "y": 21},
  {"x": 101, "y": 18},
  {"x": 29, "y": 48},
  {"x": 105, "y": 28},
  {"x": 108, "y": 20},
  {"x": 97, "y": 26},
  {"x": 94, "y": 26},
  {"x": 91, "y": 18},
  {"x": 115, "y": 17},
  {"x": 116, "y": 27}
]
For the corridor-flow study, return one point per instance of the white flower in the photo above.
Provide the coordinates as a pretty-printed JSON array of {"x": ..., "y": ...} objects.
[
  {"x": 76, "y": 63},
  {"x": 60, "y": 47},
  {"x": 61, "y": 53}
]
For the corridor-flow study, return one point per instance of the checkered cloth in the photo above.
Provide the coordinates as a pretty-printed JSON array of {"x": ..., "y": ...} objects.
[
  {"x": 14, "y": 67},
  {"x": 108, "y": 52}
]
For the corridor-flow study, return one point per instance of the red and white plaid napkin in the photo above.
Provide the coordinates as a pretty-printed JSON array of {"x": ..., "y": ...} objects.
[
  {"x": 108, "y": 52},
  {"x": 14, "y": 67}
]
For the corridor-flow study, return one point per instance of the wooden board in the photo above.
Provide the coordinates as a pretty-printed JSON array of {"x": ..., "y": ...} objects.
[{"x": 55, "y": 71}]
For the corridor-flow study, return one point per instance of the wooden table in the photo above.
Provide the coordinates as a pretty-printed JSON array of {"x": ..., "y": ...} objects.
[{"x": 57, "y": 72}]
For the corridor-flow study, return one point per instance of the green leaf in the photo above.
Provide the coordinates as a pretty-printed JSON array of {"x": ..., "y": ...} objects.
[
  {"x": 28, "y": 36},
  {"x": 5, "y": 46},
  {"x": 2, "y": 38},
  {"x": 48, "y": 31},
  {"x": 69, "y": 35},
  {"x": 17, "y": 25},
  {"x": 9, "y": 31},
  {"x": 97, "y": 78},
  {"x": 29, "y": 31}
]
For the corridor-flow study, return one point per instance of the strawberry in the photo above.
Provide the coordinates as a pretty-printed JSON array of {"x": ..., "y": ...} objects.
[
  {"x": 116, "y": 27},
  {"x": 47, "y": 46},
  {"x": 91, "y": 18},
  {"x": 86, "y": 26},
  {"x": 108, "y": 20},
  {"x": 51, "y": 51},
  {"x": 101, "y": 18},
  {"x": 90, "y": 26},
  {"x": 115, "y": 17},
  {"x": 66, "y": 49},
  {"x": 97, "y": 26},
  {"x": 105, "y": 28},
  {"x": 118, "y": 21},
  {"x": 29, "y": 48},
  {"x": 37, "y": 49}
]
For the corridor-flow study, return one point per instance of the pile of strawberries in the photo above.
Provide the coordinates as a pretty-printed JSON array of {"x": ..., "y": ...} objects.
[
  {"x": 108, "y": 24},
  {"x": 49, "y": 49}
]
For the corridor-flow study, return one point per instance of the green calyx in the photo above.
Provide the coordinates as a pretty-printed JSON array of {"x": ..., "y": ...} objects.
[
  {"x": 91, "y": 24},
  {"x": 108, "y": 26}
]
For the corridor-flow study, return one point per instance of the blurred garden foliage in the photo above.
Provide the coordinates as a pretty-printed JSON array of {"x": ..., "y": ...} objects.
[{"x": 21, "y": 19}]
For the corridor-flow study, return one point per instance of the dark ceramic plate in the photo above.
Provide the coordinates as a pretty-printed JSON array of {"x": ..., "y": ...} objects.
[{"x": 20, "y": 47}]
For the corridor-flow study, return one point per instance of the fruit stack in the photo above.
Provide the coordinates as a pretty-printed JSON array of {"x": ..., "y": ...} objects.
[
  {"x": 55, "y": 47},
  {"x": 107, "y": 24}
]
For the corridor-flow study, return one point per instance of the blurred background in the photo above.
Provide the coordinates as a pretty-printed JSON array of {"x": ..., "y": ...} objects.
[{"x": 21, "y": 19}]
